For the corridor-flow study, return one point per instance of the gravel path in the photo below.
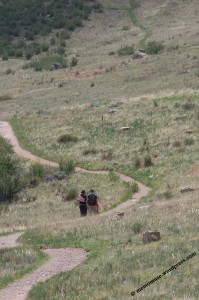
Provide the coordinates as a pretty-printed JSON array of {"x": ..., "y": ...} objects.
[{"x": 61, "y": 259}]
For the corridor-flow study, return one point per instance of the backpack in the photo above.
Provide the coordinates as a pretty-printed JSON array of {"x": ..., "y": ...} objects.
[{"x": 92, "y": 199}]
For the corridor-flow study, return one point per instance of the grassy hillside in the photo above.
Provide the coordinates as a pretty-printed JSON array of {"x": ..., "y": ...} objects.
[{"x": 157, "y": 98}]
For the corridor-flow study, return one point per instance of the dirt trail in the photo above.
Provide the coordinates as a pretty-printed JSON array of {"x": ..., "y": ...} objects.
[
  {"x": 7, "y": 132},
  {"x": 61, "y": 259}
]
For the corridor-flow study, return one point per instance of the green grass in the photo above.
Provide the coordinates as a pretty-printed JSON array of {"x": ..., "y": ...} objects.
[
  {"x": 118, "y": 255},
  {"x": 16, "y": 262},
  {"x": 152, "y": 134}
]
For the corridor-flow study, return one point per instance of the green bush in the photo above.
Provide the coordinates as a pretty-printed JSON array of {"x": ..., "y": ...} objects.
[
  {"x": 154, "y": 47},
  {"x": 90, "y": 151},
  {"x": 65, "y": 138},
  {"x": 46, "y": 63},
  {"x": 60, "y": 175},
  {"x": 148, "y": 161},
  {"x": 10, "y": 183},
  {"x": 188, "y": 105},
  {"x": 137, "y": 227},
  {"x": 67, "y": 166},
  {"x": 135, "y": 187},
  {"x": 127, "y": 50},
  {"x": 177, "y": 144},
  {"x": 37, "y": 170},
  {"x": 137, "y": 163},
  {"x": 189, "y": 141},
  {"x": 74, "y": 62},
  {"x": 71, "y": 194}
]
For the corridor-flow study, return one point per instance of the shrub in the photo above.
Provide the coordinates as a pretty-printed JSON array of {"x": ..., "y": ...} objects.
[
  {"x": 28, "y": 55},
  {"x": 61, "y": 51},
  {"x": 177, "y": 144},
  {"x": 60, "y": 175},
  {"x": 71, "y": 194},
  {"x": 137, "y": 163},
  {"x": 127, "y": 50},
  {"x": 37, "y": 170},
  {"x": 167, "y": 194},
  {"x": 10, "y": 183},
  {"x": 154, "y": 47},
  {"x": 8, "y": 71},
  {"x": 189, "y": 141},
  {"x": 97, "y": 7},
  {"x": 65, "y": 138},
  {"x": 67, "y": 166},
  {"x": 74, "y": 62},
  {"x": 148, "y": 161},
  {"x": 5, "y": 57},
  {"x": 18, "y": 53},
  {"x": 44, "y": 47},
  {"x": 188, "y": 105},
  {"x": 46, "y": 62},
  {"x": 90, "y": 151},
  {"x": 135, "y": 187},
  {"x": 137, "y": 227}
]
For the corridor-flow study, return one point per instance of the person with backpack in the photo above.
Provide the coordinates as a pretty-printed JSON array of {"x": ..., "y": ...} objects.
[
  {"x": 92, "y": 202},
  {"x": 83, "y": 203}
]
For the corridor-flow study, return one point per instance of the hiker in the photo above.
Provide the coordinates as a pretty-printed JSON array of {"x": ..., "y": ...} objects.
[
  {"x": 83, "y": 203},
  {"x": 92, "y": 202}
]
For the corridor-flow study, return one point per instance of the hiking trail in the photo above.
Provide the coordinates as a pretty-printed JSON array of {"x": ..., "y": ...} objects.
[{"x": 61, "y": 260}]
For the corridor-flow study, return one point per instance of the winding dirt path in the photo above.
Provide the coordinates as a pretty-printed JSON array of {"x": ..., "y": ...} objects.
[
  {"x": 7, "y": 132},
  {"x": 61, "y": 259}
]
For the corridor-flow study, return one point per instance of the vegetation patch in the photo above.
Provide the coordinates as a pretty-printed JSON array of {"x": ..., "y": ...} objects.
[
  {"x": 16, "y": 262},
  {"x": 65, "y": 138},
  {"x": 154, "y": 47},
  {"x": 22, "y": 22},
  {"x": 126, "y": 50},
  {"x": 46, "y": 63}
]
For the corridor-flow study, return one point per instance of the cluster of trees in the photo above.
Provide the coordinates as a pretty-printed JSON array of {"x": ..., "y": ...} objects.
[{"x": 22, "y": 21}]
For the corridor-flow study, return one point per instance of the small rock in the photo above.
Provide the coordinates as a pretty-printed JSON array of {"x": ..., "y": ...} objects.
[
  {"x": 112, "y": 111},
  {"x": 187, "y": 189},
  {"x": 189, "y": 131},
  {"x": 124, "y": 128},
  {"x": 139, "y": 55}
]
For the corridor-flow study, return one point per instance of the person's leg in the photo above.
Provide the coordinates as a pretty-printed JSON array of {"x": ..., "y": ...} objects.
[
  {"x": 84, "y": 210},
  {"x": 89, "y": 210}
]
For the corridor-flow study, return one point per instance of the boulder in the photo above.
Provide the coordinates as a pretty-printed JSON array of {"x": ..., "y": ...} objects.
[{"x": 151, "y": 236}]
